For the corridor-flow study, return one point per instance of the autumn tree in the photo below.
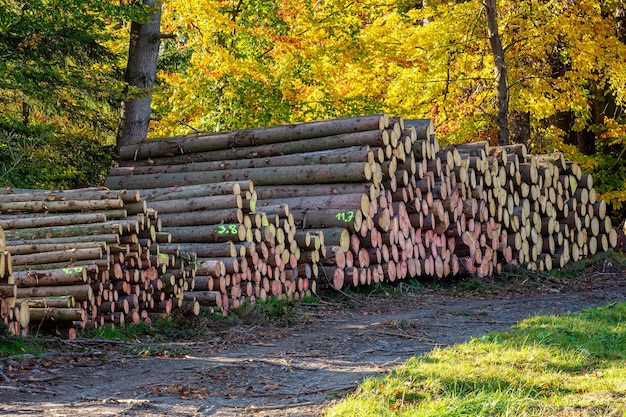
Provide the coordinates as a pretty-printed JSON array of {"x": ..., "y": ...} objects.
[{"x": 259, "y": 62}]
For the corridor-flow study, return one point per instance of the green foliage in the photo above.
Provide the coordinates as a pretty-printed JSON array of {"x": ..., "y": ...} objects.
[
  {"x": 60, "y": 89},
  {"x": 547, "y": 365},
  {"x": 45, "y": 159}
]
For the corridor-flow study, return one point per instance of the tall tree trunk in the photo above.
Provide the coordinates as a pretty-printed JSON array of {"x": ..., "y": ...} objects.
[
  {"x": 145, "y": 39},
  {"x": 519, "y": 127},
  {"x": 501, "y": 72}
]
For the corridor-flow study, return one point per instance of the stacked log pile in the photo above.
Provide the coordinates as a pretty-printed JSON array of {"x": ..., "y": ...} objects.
[
  {"x": 383, "y": 197},
  {"x": 239, "y": 251},
  {"x": 15, "y": 315},
  {"x": 86, "y": 257}
]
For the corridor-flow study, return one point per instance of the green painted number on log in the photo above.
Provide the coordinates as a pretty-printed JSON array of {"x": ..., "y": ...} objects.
[
  {"x": 72, "y": 270},
  {"x": 228, "y": 228},
  {"x": 347, "y": 216}
]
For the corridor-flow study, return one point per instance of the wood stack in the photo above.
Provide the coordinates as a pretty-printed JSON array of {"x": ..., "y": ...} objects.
[
  {"x": 369, "y": 199},
  {"x": 238, "y": 250},
  {"x": 15, "y": 315},
  {"x": 281, "y": 259},
  {"x": 85, "y": 257}
]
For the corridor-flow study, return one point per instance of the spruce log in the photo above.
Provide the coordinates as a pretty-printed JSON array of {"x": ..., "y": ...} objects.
[
  {"x": 68, "y": 255},
  {"x": 65, "y": 231},
  {"x": 192, "y": 204},
  {"x": 269, "y": 192},
  {"x": 91, "y": 193},
  {"x": 323, "y": 218},
  {"x": 199, "y": 190},
  {"x": 309, "y": 174},
  {"x": 243, "y": 138},
  {"x": 66, "y": 276},
  {"x": 347, "y": 202},
  {"x": 79, "y": 292},
  {"x": 334, "y": 156},
  {"x": 60, "y": 206},
  {"x": 208, "y": 233},
  {"x": 373, "y": 138},
  {"x": 62, "y": 302},
  {"x": 8, "y": 291},
  {"x": 112, "y": 238},
  {"x": 45, "y": 247},
  {"x": 204, "y": 250},
  {"x": 424, "y": 128},
  {"x": 57, "y": 314},
  {"x": 49, "y": 221}
]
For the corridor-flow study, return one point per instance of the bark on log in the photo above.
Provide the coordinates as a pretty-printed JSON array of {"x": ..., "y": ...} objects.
[
  {"x": 309, "y": 174},
  {"x": 60, "y": 206},
  {"x": 57, "y": 314},
  {"x": 50, "y": 221},
  {"x": 335, "y": 156},
  {"x": 79, "y": 292},
  {"x": 34, "y": 278},
  {"x": 199, "y": 190},
  {"x": 91, "y": 193},
  {"x": 245, "y": 138},
  {"x": 373, "y": 138},
  {"x": 65, "y": 231}
]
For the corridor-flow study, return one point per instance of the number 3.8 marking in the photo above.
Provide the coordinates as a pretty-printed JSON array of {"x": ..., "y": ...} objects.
[
  {"x": 229, "y": 228},
  {"x": 347, "y": 216}
]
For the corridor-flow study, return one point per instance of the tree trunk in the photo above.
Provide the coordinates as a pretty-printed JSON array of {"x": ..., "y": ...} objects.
[
  {"x": 501, "y": 77},
  {"x": 520, "y": 127},
  {"x": 145, "y": 39}
]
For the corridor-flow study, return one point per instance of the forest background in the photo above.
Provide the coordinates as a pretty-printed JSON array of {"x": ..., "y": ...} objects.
[{"x": 233, "y": 64}]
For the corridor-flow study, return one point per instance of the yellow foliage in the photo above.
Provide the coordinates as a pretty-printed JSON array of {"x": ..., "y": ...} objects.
[{"x": 266, "y": 61}]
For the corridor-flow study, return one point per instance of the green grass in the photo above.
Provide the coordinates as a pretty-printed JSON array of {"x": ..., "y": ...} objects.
[
  {"x": 14, "y": 345},
  {"x": 572, "y": 365}
]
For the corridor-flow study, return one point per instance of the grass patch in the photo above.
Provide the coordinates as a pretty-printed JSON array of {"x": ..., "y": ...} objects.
[
  {"x": 273, "y": 312},
  {"x": 11, "y": 345},
  {"x": 571, "y": 365}
]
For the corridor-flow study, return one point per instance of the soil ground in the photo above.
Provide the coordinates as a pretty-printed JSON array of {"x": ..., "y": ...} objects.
[{"x": 288, "y": 371}]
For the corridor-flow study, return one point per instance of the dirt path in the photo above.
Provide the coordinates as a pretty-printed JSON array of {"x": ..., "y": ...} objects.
[{"x": 294, "y": 371}]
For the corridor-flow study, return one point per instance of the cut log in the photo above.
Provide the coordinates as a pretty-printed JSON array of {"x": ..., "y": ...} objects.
[
  {"x": 309, "y": 174},
  {"x": 245, "y": 138}
]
